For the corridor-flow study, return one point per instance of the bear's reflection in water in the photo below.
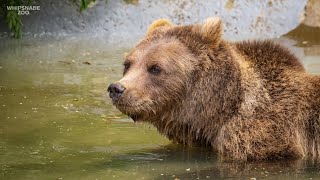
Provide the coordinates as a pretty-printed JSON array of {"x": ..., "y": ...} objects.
[{"x": 182, "y": 162}]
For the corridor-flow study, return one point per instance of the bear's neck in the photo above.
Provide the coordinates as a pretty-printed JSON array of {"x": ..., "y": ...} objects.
[{"x": 214, "y": 95}]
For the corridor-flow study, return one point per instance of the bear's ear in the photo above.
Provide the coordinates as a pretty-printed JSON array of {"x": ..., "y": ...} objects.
[
  {"x": 157, "y": 24},
  {"x": 211, "y": 30}
]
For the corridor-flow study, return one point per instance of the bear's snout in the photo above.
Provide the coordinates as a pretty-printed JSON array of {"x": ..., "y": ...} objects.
[{"x": 115, "y": 91}]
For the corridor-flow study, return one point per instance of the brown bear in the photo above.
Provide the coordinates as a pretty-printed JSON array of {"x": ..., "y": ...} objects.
[{"x": 250, "y": 100}]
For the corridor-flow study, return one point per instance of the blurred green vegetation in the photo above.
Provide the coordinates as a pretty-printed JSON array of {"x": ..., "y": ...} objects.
[
  {"x": 84, "y": 4},
  {"x": 13, "y": 18}
]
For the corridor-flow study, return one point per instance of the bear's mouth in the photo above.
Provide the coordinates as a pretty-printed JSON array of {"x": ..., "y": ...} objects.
[
  {"x": 131, "y": 111},
  {"x": 136, "y": 110}
]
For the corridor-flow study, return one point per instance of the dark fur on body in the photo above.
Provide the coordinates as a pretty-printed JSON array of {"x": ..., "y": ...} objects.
[{"x": 248, "y": 100}]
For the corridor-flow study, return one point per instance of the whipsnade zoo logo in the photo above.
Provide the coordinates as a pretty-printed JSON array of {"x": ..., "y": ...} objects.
[{"x": 23, "y": 10}]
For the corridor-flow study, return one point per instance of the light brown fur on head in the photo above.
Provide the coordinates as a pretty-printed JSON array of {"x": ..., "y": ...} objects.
[
  {"x": 211, "y": 30},
  {"x": 160, "y": 23},
  {"x": 247, "y": 100},
  {"x": 144, "y": 89}
]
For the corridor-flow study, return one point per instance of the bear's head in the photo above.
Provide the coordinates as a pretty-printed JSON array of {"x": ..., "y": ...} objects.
[{"x": 159, "y": 68}]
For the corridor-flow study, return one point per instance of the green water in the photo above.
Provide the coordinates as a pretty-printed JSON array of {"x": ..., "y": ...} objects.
[{"x": 56, "y": 121}]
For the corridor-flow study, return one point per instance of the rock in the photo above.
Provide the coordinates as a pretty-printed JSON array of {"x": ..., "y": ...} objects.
[{"x": 311, "y": 16}]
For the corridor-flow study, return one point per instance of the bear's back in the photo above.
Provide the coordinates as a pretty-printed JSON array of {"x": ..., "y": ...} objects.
[
  {"x": 268, "y": 58},
  {"x": 284, "y": 77}
]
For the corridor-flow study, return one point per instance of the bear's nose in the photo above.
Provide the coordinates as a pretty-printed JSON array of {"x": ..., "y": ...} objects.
[{"x": 115, "y": 90}]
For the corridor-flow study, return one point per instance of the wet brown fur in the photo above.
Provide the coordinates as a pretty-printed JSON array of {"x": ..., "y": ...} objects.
[{"x": 249, "y": 100}]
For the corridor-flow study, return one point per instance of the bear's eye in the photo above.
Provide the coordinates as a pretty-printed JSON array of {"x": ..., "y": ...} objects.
[
  {"x": 126, "y": 67},
  {"x": 154, "y": 69}
]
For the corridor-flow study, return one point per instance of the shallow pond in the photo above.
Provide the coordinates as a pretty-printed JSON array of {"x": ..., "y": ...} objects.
[{"x": 56, "y": 121}]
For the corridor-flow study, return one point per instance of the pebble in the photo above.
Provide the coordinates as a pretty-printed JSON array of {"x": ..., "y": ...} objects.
[
  {"x": 35, "y": 152},
  {"x": 87, "y": 63}
]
